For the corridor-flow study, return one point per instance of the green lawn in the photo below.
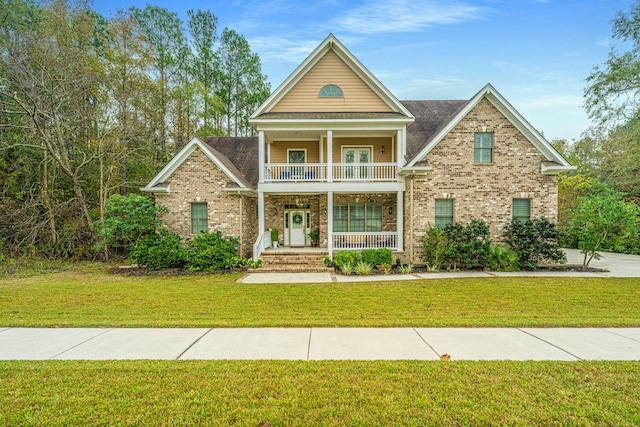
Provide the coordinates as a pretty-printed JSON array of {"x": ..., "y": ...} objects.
[
  {"x": 248, "y": 393},
  {"x": 314, "y": 393},
  {"x": 91, "y": 297}
]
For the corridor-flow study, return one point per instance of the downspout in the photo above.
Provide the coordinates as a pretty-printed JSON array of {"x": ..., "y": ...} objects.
[
  {"x": 241, "y": 226},
  {"x": 411, "y": 256}
]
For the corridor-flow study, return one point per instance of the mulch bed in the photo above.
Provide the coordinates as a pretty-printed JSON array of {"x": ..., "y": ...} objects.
[{"x": 137, "y": 271}]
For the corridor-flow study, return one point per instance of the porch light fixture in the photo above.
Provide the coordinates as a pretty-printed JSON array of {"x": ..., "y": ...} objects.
[{"x": 382, "y": 150}]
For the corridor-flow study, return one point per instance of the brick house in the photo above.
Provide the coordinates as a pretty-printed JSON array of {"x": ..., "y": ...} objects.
[{"x": 336, "y": 152}]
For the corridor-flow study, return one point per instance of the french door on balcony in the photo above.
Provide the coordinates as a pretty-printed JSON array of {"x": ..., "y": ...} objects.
[{"x": 360, "y": 157}]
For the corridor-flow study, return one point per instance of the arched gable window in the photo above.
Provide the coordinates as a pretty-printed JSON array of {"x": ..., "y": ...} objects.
[{"x": 330, "y": 91}]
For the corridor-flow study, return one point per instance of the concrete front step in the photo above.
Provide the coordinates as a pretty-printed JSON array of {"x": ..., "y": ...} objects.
[{"x": 294, "y": 262}]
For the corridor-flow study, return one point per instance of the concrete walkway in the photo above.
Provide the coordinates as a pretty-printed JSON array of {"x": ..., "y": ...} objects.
[
  {"x": 320, "y": 343},
  {"x": 617, "y": 265}
]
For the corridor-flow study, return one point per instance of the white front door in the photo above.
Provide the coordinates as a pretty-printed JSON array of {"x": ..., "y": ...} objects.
[{"x": 298, "y": 226}]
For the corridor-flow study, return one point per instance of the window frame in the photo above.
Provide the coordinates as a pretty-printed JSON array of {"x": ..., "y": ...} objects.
[
  {"x": 440, "y": 220},
  {"x": 515, "y": 214},
  {"x": 372, "y": 214},
  {"x": 197, "y": 228},
  {"x": 329, "y": 91},
  {"x": 480, "y": 151}
]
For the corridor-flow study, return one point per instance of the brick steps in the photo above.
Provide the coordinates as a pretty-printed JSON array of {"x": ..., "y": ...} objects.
[{"x": 309, "y": 262}]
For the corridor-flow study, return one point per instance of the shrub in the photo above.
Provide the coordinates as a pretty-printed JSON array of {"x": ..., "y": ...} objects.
[
  {"x": 406, "y": 269},
  {"x": 346, "y": 267},
  {"x": 535, "y": 241},
  {"x": 501, "y": 258},
  {"x": 126, "y": 220},
  {"x": 363, "y": 268},
  {"x": 603, "y": 222},
  {"x": 377, "y": 256},
  {"x": 434, "y": 246},
  {"x": 342, "y": 257},
  {"x": 467, "y": 245},
  {"x": 212, "y": 252},
  {"x": 159, "y": 250},
  {"x": 385, "y": 268}
]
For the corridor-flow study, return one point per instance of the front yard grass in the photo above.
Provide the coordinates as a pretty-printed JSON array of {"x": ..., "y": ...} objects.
[
  {"x": 328, "y": 393},
  {"x": 91, "y": 297}
]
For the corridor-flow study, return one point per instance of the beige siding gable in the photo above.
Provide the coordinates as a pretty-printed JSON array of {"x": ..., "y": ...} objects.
[{"x": 330, "y": 69}]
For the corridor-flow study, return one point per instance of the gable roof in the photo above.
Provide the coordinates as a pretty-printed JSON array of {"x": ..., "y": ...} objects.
[
  {"x": 160, "y": 183},
  {"x": 333, "y": 44},
  {"x": 431, "y": 116},
  {"x": 511, "y": 114}
]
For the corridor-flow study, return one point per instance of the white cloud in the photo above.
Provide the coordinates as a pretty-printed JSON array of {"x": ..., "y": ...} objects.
[{"x": 380, "y": 16}]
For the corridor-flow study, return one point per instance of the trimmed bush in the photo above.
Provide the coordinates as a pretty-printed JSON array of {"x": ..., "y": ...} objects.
[
  {"x": 159, "y": 250},
  {"x": 212, "y": 252},
  {"x": 535, "y": 241},
  {"x": 343, "y": 257},
  {"x": 377, "y": 256},
  {"x": 468, "y": 245}
]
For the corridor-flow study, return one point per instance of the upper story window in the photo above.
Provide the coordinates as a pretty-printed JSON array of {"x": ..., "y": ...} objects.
[
  {"x": 483, "y": 148},
  {"x": 331, "y": 91}
]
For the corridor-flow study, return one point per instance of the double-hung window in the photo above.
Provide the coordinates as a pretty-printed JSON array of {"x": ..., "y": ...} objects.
[
  {"x": 357, "y": 217},
  {"x": 199, "y": 218},
  {"x": 521, "y": 209},
  {"x": 483, "y": 148},
  {"x": 444, "y": 212}
]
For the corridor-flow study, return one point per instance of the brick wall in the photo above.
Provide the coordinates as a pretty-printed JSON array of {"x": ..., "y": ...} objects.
[
  {"x": 198, "y": 180},
  {"x": 481, "y": 191}
]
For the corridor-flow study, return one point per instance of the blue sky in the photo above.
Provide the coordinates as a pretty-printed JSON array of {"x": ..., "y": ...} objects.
[{"x": 536, "y": 53}]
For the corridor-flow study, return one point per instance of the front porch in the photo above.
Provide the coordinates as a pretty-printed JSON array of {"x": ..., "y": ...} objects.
[{"x": 329, "y": 222}]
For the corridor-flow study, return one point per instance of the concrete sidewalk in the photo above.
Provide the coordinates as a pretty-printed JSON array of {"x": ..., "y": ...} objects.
[
  {"x": 617, "y": 265},
  {"x": 320, "y": 343}
]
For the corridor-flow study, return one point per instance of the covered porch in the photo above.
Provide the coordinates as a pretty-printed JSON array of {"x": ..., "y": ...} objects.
[{"x": 330, "y": 222}]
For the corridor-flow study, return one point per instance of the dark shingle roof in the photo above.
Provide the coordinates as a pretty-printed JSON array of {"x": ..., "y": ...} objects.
[
  {"x": 239, "y": 154},
  {"x": 431, "y": 117}
]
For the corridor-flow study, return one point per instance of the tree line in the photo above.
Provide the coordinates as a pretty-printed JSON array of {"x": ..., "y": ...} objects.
[
  {"x": 598, "y": 203},
  {"x": 92, "y": 106}
]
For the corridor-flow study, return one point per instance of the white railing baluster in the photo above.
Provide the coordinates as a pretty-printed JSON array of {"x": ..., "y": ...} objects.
[
  {"x": 359, "y": 241},
  {"x": 317, "y": 172}
]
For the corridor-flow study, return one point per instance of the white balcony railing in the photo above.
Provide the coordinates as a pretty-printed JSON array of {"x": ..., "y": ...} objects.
[
  {"x": 359, "y": 241},
  {"x": 288, "y": 172},
  {"x": 365, "y": 172},
  {"x": 310, "y": 172}
]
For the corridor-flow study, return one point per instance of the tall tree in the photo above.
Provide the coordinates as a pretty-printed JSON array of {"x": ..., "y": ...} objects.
[
  {"x": 165, "y": 34},
  {"x": 242, "y": 85},
  {"x": 50, "y": 79},
  {"x": 611, "y": 96},
  {"x": 202, "y": 28}
]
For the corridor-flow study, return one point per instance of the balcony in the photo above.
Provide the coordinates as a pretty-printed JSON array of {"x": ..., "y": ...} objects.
[{"x": 341, "y": 172}]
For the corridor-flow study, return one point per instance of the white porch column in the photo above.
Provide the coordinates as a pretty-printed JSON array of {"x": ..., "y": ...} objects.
[
  {"x": 261, "y": 159},
  {"x": 260, "y": 212},
  {"x": 400, "y": 219},
  {"x": 330, "y": 158},
  {"x": 330, "y": 223},
  {"x": 400, "y": 144}
]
